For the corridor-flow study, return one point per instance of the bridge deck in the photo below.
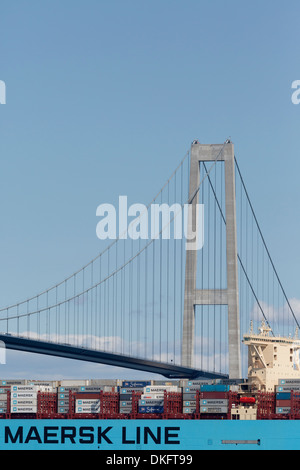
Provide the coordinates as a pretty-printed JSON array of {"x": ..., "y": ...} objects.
[{"x": 170, "y": 371}]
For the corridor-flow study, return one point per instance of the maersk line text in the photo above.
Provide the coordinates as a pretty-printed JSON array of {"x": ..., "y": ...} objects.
[{"x": 168, "y": 435}]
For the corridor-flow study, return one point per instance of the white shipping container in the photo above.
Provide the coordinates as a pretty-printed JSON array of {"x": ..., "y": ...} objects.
[
  {"x": 66, "y": 390},
  {"x": 23, "y": 388},
  {"x": 125, "y": 403},
  {"x": 88, "y": 401},
  {"x": 213, "y": 402},
  {"x": 289, "y": 382},
  {"x": 196, "y": 383},
  {"x": 165, "y": 382},
  {"x": 46, "y": 383},
  {"x": 13, "y": 382},
  {"x": 23, "y": 402},
  {"x": 24, "y": 409},
  {"x": 87, "y": 406},
  {"x": 64, "y": 396},
  {"x": 189, "y": 403},
  {"x": 283, "y": 410},
  {"x": 111, "y": 382},
  {"x": 153, "y": 396},
  {"x": 130, "y": 390},
  {"x": 87, "y": 409},
  {"x": 23, "y": 395},
  {"x": 151, "y": 402},
  {"x": 73, "y": 382},
  {"x": 189, "y": 409},
  {"x": 287, "y": 388},
  {"x": 213, "y": 409},
  {"x": 43, "y": 383},
  {"x": 192, "y": 389},
  {"x": 161, "y": 388},
  {"x": 90, "y": 388}
]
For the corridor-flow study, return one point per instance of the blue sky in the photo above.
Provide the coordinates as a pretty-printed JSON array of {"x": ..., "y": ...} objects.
[{"x": 105, "y": 97}]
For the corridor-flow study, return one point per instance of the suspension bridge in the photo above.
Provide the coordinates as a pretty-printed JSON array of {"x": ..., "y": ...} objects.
[{"x": 176, "y": 303}]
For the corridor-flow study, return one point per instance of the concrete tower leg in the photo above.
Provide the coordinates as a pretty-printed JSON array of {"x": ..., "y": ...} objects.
[
  {"x": 188, "y": 331},
  {"x": 229, "y": 296}
]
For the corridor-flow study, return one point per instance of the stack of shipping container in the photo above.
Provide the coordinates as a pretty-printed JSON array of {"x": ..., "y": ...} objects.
[
  {"x": 213, "y": 397},
  {"x": 87, "y": 399},
  {"x": 5, "y": 386},
  {"x": 127, "y": 390},
  {"x": 284, "y": 390},
  {"x": 23, "y": 399},
  {"x": 152, "y": 399},
  {"x": 188, "y": 399},
  {"x": 189, "y": 395},
  {"x": 63, "y": 398},
  {"x": 4, "y": 408}
]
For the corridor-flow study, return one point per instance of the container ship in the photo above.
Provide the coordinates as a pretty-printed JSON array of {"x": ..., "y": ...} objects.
[{"x": 261, "y": 412}]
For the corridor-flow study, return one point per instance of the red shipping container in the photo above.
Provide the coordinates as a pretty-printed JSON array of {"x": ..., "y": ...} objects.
[
  {"x": 86, "y": 395},
  {"x": 213, "y": 395},
  {"x": 283, "y": 403}
]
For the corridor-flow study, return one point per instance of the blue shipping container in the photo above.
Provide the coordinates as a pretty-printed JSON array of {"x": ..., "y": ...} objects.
[
  {"x": 214, "y": 388},
  {"x": 283, "y": 396},
  {"x": 151, "y": 409},
  {"x": 135, "y": 384}
]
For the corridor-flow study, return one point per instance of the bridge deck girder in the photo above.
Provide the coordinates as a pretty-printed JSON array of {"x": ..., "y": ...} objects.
[{"x": 170, "y": 371}]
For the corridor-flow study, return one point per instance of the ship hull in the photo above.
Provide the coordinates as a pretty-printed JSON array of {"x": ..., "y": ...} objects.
[{"x": 149, "y": 435}]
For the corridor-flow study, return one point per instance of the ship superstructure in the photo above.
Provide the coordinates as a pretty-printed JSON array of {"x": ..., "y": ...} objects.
[{"x": 271, "y": 358}]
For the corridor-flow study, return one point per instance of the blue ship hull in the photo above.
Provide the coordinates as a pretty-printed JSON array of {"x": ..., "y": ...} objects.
[{"x": 149, "y": 435}]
